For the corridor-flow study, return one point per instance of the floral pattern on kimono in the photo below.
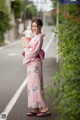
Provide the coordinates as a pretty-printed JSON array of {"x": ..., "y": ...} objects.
[{"x": 34, "y": 72}]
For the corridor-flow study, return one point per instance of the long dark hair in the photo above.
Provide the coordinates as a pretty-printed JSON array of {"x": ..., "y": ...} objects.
[{"x": 38, "y": 22}]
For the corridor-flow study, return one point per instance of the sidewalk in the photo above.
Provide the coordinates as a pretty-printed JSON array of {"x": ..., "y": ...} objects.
[{"x": 50, "y": 66}]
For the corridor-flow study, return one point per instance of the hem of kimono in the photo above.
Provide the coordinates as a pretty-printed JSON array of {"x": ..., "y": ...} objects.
[{"x": 35, "y": 107}]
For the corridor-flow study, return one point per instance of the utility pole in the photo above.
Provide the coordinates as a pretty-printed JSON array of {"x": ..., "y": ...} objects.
[{"x": 24, "y": 14}]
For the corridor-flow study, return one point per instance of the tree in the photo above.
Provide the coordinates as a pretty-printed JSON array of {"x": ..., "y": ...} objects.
[
  {"x": 30, "y": 10},
  {"x": 17, "y": 9},
  {"x": 4, "y": 20}
]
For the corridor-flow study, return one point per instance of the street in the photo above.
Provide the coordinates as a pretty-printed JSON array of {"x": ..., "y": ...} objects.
[{"x": 13, "y": 74}]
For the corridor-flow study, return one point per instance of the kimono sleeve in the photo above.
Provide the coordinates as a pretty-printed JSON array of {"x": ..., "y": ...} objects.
[{"x": 30, "y": 54}]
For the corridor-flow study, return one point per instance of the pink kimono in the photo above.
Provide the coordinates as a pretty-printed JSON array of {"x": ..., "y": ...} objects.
[{"x": 34, "y": 72}]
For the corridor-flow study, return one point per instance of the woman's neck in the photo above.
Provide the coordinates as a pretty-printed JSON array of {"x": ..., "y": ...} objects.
[{"x": 37, "y": 33}]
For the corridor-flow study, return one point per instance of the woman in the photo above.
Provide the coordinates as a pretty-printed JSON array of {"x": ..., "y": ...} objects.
[{"x": 34, "y": 71}]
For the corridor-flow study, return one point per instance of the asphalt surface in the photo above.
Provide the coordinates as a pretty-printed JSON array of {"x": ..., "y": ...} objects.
[{"x": 12, "y": 74}]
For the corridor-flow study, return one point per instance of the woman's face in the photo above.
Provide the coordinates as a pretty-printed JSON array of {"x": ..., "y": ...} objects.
[{"x": 36, "y": 29}]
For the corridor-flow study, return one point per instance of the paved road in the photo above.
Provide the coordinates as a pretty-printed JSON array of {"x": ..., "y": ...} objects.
[{"x": 12, "y": 75}]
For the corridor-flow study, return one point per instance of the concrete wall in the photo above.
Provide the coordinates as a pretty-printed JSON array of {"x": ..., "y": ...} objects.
[{"x": 47, "y": 18}]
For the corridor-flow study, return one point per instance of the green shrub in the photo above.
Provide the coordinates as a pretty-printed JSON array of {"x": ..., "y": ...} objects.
[
  {"x": 66, "y": 88},
  {"x": 4, "y": 20}
]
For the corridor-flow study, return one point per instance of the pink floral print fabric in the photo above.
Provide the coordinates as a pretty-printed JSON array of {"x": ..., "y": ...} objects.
[{"x": 34, "y": 72}]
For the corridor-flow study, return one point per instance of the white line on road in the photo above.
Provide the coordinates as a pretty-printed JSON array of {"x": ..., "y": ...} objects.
[
  {"x": 14, "y": 43},
  {"x": 15, "y": 98},
  {"x": 12, "y": 54},
  {"x": 9, "y": 45},
  {"x": 1, "y": 48},
  {"x": 47, "y": 46},
  {"x": 20, "y": 89}
]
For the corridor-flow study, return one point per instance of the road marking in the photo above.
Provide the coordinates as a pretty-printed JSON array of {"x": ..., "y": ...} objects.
[
  {"x": 12, "y": 54},
  {"x": 9, "y": 45},
  {"x": 15, "y": 98},
  {"x": 14, "y": 43},
  {"x": 1, "y": 48},
  {"x": 47, "y": 46},
  {"x": 20, "y": 89}
]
